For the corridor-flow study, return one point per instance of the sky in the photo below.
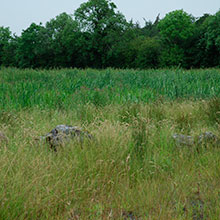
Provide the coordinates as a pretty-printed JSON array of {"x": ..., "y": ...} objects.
[{"x": 19, "y": 14}]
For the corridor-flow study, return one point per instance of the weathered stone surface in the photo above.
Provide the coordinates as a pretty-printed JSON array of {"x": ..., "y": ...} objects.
[
  {"x": 204, "y": 138},
  {"x": 181, "y": 139},
  {"x": 129, "y": 215},
  {"x": 208, "y": 137},
  {"x": 195, "y": 207},
  {"x": 62, "y": 134}
]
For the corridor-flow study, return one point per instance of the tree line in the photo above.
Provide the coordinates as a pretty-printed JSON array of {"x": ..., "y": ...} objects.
[{"x": 99, "y": 36}]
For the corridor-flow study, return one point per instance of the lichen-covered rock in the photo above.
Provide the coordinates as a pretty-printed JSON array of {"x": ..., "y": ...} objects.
[
  {"x": 195, "y": 206},
  {"x": 208, "y": 137},
  {"x": 62, "y": 134},
  {"x": 204, "y": 138},
  {"x": 181, "y": 139}
]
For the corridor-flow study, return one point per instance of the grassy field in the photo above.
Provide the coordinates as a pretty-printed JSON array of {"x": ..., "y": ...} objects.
[
  {"x": 132, "y": 169},
  {"x": 64, "y": 89}
]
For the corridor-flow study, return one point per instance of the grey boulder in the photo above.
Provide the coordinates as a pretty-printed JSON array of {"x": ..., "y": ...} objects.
[
  {"x": 62, "y": 134},
  {"x": 181, "y": 139},
  {"x": 204, "y": 138},
  {"x": 208, "y": 137}
]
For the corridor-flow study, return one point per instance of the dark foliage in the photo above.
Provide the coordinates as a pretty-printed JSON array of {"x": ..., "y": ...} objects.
[{"x": 98, "y": 36}]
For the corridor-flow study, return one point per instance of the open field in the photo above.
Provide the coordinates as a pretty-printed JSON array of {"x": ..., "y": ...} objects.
[{"x": 132, "y": 169}]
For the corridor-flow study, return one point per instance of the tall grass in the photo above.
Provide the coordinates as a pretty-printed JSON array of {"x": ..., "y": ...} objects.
[
  {"x": 132, "y": 168},
  {"x": 64, "y": 89}
]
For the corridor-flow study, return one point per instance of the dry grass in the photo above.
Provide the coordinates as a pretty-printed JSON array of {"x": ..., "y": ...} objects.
[{"x": 132, "y": 168}]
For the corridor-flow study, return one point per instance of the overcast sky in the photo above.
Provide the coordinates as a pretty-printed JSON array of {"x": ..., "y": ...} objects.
[{"x": 19, "y": 14}]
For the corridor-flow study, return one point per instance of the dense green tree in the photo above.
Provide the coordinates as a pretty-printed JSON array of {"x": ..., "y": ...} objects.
[
  {"x": 212, "y": 38},
  {"x": 118, "y": 54},
  {"x": 148, "y": 53},
  {"x": 33, "y": 47},
  {"x": 204, "y": 50},
  {"x": 5, "y": 37},
  {"x": 9, "y": 52},
  {"x": 196, "y": 53},
  {"x": 99, "y": 16},
  {"x": 104, "y": 26},
  {"x": 176, "y": 27},
  {"x": 173, "y": 56},
  {"x": 65, "y": 40},
  {"x": 150, "y": 29},
  {"x": 176, "y": 30},
  {"x": 141, "y": 52}
]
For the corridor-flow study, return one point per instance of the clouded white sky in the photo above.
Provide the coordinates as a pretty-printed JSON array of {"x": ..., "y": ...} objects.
[{"x": 19, "y": 14}]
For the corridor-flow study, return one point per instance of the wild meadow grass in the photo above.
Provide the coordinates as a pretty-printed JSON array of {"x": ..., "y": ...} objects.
[
  {"x": 132, "y": 169},
  {"x": 64, "y": 89}
]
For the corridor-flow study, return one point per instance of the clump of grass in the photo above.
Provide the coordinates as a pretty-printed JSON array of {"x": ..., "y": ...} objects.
[
  {"x": 156, "y": 111},
  {"x": 86, "y": 113},
  {"x": 139, "y": 138},
  {"x": 184, "y": 118},
  {"x": 129, "y": 112},
  {"x": 9, "y": 118},
  {"x": 213, "y": 110}
]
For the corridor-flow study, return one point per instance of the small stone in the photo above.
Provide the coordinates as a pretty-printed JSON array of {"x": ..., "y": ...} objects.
[
  {"x": 129, "y": 215},
  {"x": 196, "y": 207}
]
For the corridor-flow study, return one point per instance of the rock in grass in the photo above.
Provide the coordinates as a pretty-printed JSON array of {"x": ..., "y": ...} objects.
[
  {"x": 129, "y": 215},
  {"x": 204, "y": 138},
  {"x": 208, "y": 137},
  {"x": 195, "y": 206},
  {"x": 181, "y": 139},
  {"x": 62, "y": 134}
]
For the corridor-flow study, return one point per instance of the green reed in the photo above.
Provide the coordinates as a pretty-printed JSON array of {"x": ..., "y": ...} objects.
[{"x": 67, "y": 88}]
